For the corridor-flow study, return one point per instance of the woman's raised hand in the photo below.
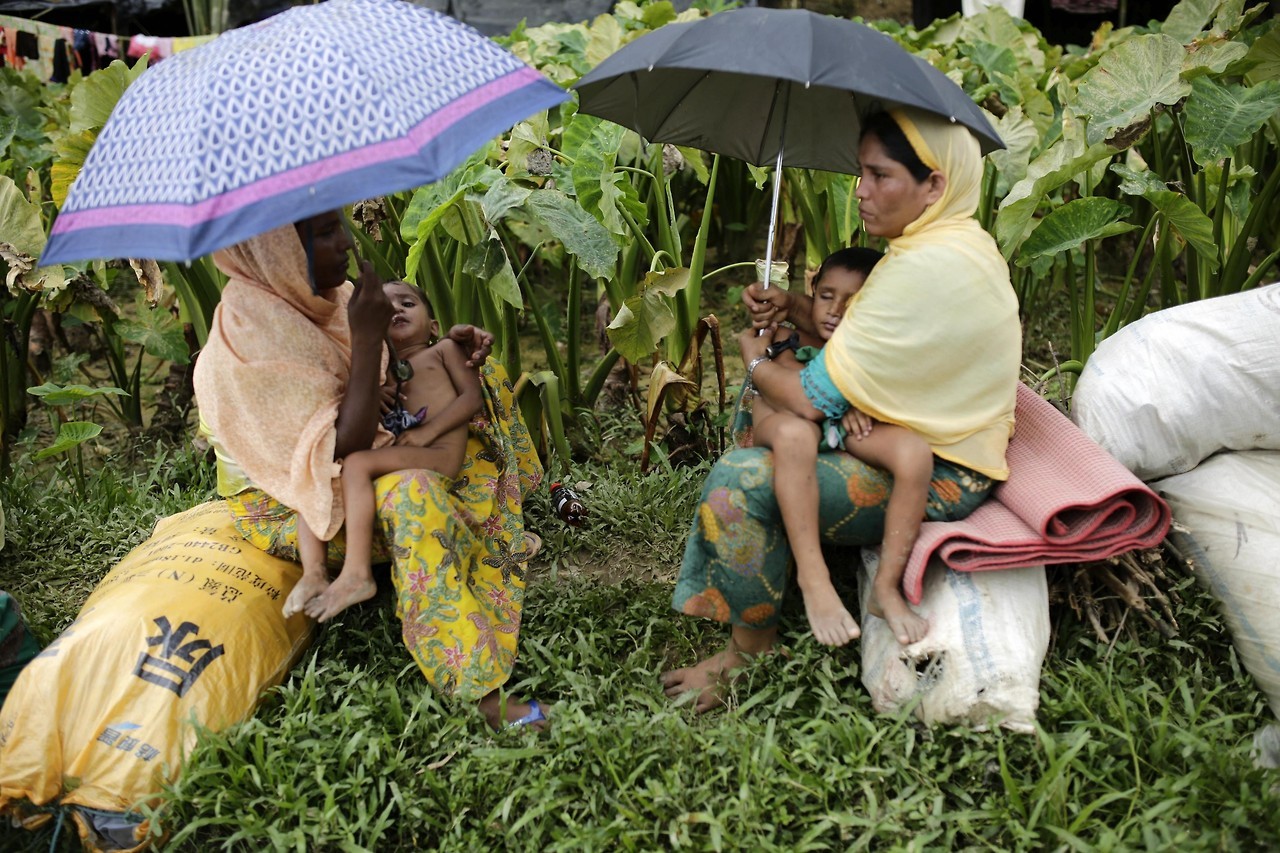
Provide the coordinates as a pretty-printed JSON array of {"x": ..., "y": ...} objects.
[
  {"x": 475, "y": 341},
  {"x": 369, "y": 311},
  {"x": 766, "y": 305}
]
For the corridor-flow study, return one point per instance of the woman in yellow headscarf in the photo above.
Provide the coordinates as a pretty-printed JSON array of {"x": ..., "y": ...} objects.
[
  {"x": 931, "y": 343},
  {"x": 289, "y": 384}
]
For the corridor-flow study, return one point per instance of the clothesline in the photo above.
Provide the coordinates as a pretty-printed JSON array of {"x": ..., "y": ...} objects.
[{"x": 53, "y": 52}]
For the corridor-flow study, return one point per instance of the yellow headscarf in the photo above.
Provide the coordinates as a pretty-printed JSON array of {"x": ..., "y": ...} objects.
[
  {"x": 272, "y": 375},
  {"x": 932, "y": 341}
]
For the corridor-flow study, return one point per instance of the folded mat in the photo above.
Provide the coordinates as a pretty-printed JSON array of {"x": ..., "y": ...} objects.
[{"x": 1066, "y": 501}]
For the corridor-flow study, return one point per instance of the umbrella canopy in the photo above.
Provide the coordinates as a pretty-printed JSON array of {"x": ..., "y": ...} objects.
[
  {"x": 750, "y": 83},
  {"x": 307, "y": 111}
]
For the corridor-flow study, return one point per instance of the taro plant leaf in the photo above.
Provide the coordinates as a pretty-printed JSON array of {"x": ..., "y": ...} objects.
[
  {"x": 464, "y": 221},
  {"x": 579, "y": 232},
  {"x": 664, "y": 377},
  {"x": 608, "y": 195},
  {"x": 20, "y": 225},
  {"x": 605, "y": 36},
  {"x": 425, "y": 226},
  {"x": 1211, "y": 57},
  {"x": 695, "y": 159},
  {"x": 1073, "y": 224},
  {"x": 475, "y": 176},
  {"x": 999, "y": 65},
  {"x": 97, "y": 95},
  {"x": 1121, "y": 90},
  {"x": 1187, "y": 220},
  {"x": 1021, "y": 138},
  {"x": 503, "y": 196},
  {"x": 72, "y": 149},
  {"x": 527, "y": 137},
  {"x": 647, "y": 317},
  {"x": 1063, "y": 161},
  {"x": 8, "y": 129},
  {"x": 488, "y": 262},
  {"x": 1264, "y": 57},
  {"x": 65, "y": 395},
  {"x": 70, "y": 436},
  {"x": 159, "y": 333},
  {"x": 1221, "y": 117},
  {"x": 1188, "y": 18},
  {"x": 22, "y": 240}
]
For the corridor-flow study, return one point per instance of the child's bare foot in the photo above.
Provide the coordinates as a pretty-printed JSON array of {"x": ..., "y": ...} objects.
[
  {"x": 305, "y": 590},
  {"x": 341, "y": 594},
  {"x": 831, "y": 623},
  {"x": 707, "y": 678},
  {"x": 890, "y": 606}
]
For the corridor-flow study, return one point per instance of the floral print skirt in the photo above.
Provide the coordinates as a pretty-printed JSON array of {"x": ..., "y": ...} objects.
[
  {"x": 737, "y": 561},
  {"x": 456, "y": 547}
]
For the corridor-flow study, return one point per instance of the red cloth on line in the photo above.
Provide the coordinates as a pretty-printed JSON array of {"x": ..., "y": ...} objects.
[{"x": 1066, "y": 501}]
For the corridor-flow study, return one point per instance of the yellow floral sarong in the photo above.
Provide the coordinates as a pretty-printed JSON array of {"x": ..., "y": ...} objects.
[{"x": 456, "y": 547}]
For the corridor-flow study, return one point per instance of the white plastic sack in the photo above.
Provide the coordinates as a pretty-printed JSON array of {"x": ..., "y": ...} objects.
[
  {"x": 979, "y": 664},
  {"x": 1231, "y": 507},
  {"x": 1181, "y": 384}
]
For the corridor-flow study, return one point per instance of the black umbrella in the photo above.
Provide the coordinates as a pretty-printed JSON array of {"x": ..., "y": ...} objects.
[{"x": 782, "y": 86}]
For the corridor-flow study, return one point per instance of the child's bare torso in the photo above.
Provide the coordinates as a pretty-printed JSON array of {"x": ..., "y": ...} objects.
[{"x": 432, "y": 388}]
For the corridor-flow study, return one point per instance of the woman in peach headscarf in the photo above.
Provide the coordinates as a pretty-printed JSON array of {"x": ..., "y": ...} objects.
[
  {"x": 931, "y": 343},
  {"x": 288, "y": 384}
]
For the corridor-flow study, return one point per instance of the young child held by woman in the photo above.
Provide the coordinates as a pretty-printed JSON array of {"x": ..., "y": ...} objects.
[
  {"x": 430, "y": 424},
  {"x": 801, "y": 413}
]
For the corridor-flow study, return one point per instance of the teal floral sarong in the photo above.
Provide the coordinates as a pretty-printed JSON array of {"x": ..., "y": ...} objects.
[{"x": 737, "y": 560}]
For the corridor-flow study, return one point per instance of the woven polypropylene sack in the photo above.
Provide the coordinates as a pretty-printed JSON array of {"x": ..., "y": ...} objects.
[
  {"x": 187, "y": 629},
  {"x": 1171, "y": 389},
  {"x": 979, "y": 664}
]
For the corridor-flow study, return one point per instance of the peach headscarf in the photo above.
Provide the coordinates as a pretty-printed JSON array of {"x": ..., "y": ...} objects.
[
  {"x": 271, "y": 377},
  {"x": 932, "y": 341}
]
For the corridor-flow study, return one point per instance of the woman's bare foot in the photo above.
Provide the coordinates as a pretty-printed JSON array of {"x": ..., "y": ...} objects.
[
  {"x": 830, "y": 621},
  {"x": 347, "y": 590},
  {"x": 890, "y": 606},
  {"x": 501, "y": 712},
  {"x": 707, "y": 678},
  {"x": 307, "y": 588}
]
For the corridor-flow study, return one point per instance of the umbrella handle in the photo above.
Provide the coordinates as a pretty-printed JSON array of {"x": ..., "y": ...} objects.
[{"x": 773, "y": 225}]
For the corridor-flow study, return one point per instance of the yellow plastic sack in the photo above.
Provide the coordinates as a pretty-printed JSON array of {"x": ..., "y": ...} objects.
[{"x": 188, "y": 627}]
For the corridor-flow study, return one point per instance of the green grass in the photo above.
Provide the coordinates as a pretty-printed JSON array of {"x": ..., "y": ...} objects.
[{"x": 1144, "y": 745}]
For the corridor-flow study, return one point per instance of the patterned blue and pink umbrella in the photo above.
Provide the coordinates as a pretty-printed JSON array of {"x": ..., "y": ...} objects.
[{"x": 312, "y": 109}]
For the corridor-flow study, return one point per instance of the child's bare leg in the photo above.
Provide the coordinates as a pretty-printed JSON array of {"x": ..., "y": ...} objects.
[
  {"x": 355, "y": 583},
  {"x": 315, "y": 577},
  {"x": 709, "y": 676},
  {"x": 910, "y": 460},
  {"x": 794, "y": 442}
]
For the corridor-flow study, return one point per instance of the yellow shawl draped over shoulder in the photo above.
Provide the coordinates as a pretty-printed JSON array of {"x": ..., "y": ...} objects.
[
  {"x": 272, "y": 375},
  {"x": 932, "y": 342}
]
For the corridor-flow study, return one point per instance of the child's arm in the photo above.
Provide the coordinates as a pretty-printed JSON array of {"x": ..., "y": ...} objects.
[
  {"x": 778, "y": 385},
  {"x": 466, "y": 382}
]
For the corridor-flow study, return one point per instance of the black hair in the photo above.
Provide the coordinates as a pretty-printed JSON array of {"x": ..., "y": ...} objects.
[
  {"x": 884, "y": 128},
  {"x": 853, "y": 259}
]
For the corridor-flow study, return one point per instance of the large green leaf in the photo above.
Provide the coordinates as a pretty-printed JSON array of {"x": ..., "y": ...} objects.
[
  {"x": 159, "y": 333},
  {"x": 464, "y": 221},
  {"x": 1211, "y": 57},
  {"x": 1064, "y": 161},
  {"x": 70, "y": 436},
  {"x": 1264, "y": 57},
  {"x": 1187, "y": 221},
  {"x": 97, "y": 95},
  {"x": 1128, "y": 83},
  {"x": 646, "y": 318},
  {"x": 1220, "y": 117},
  {"x": 527, "y": 137},
  {"x": 476, "y": 176},
  {"x": 1021, "y": 138},
  {"x": 1188, "y": 18},
  {"x": 20, "y": 224},
  {"x": 72, "y": 149},
  {"x": 1072, "y": 225},
  {"x": 488, "y": 262},
  {"x": 503, "y": 196},
  {"x": 8, "y": 129},
  {"x": 426, "y": 225},
  {"x": 65, "y": 395},
  {"x": 592, "y": 145},
  {"x": 579, "y": 232}
]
